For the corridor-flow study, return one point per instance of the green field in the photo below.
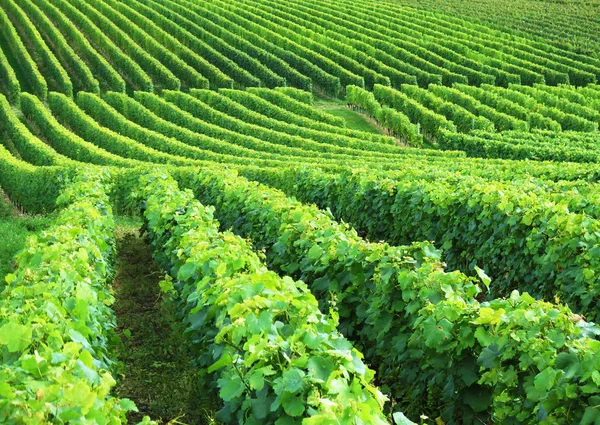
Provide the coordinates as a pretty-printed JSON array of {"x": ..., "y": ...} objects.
[
  {"x": 353, "y": 120},
  {"x": 568, "y": 23},
  {"x": 309, "y": 212}
]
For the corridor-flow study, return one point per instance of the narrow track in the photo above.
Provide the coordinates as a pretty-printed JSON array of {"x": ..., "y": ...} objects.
[{"x": 157, "y": 374}]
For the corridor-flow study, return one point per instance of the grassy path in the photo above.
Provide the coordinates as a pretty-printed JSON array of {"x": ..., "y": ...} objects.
[
  {"x": 354, "y": 120},
  {"x": 157, "y": 375}
]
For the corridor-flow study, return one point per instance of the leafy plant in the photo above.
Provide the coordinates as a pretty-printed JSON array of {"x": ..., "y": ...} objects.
[
  {"x": 278, "y": 359},
  {"x": 56, "y": 325}
]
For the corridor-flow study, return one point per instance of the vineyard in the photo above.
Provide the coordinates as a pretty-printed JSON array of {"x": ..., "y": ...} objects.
[
  {"x": 570, "y": 23},
  {"x": 308, "y": 212}
]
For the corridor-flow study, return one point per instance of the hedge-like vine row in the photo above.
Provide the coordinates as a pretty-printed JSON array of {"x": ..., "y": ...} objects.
[
  {"x": 55, "y": 75},
  {"x": 394, "y": 121},
  {"x": 9, "y": 84},
  {"x": 523, "y": 238},
  {"x": 100, "y": 68},
  {"x": 276, "y": 356},
  {"x": 255, "y": 110},
  {"x": 32, "y": 80},
  {"x": 435, "y": 321},
  {"x": 57, "y": 334},
  {"x": 65, "y": 142}
]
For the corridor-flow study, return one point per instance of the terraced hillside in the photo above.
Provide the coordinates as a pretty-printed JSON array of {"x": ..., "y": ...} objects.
[
  {"x": 572, "y": 23},
  {"x": 441, "y": 268},
  {"x": 90, "y": 45}
]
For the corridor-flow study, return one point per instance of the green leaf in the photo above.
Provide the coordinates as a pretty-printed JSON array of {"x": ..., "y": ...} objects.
[
  {"x": 57, "y": 358},
  {"x": 483, "y": 336},
  {"x": 337, "y": 386},
  {"x": 545, "y": 379},
  {"x": 596, "y": 377},
  {"x": 567, "y": 362},
  {"x": 320, "y": 368},
  {"x": 88, "y": 372},
  {"x": 485, "y": 279},
  {"x": 257, "y": 380},
  {"x": 469, "y": 373},
  {"x": 128, "y": 405},
  {"x": 78, "y": 338},
  {"x": 6, "y": 391},
  {"x": 292, "y": 405},
  {"x": 34, "y": 364},
  {"x": 15, "y": 336},
  {"x": 186, "y": 271},
  {"x": 166, "y": 285},
  {"x": 591, "y": 415},
  {"x": 527, "y": 219},
  {"x": 400, "y": 419},
  {"x": 79, "y": 395},
  {"x": 315, "y": 252},
  {"x": 479, "y": 399},
  {"x": 221, "y": 269},
  {"x": 231, "y": 387},
  {"x": 386, "y": 273},
  {"x": 489, "y": 316},
  {"x": 488, "y": 356},
  {"x": 313, "y": 340},
  {"x": 436, "y": 333},
  {"x": 86, "y": 358},
  {"x": 35, "y": 260},
  {"x": 292, "y": 380},
  {"x": 265, "y": 320},
  {"x": 542, "y": 413},
  {"x": 261, "y": 407},
  {"x": 226, "y": 360}
]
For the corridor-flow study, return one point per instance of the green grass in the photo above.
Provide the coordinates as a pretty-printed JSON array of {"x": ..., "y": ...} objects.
[
  {"x": 158, "y": 374},
  {"x": 14, "y": 231},
  {"x": 322, "y": 101},
  {"x": 354, "y": 120}
]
